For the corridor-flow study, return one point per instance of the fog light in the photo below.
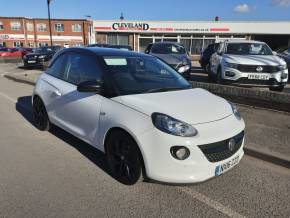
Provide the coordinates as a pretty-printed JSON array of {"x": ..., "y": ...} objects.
[
  {"x": 284, "y": 76},
  {"x": 179, "y": 152},
  {"x": 230, "y": 74}
]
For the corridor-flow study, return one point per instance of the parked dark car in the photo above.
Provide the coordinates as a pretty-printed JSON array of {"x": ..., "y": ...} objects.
[
  {"x": 206, "y": 55},
  {"x": 101, "y": 45},
  {"x": 174, "y": 54},
  {"x": 40, "y": 56},
  {"x": 123, "y": 47}
]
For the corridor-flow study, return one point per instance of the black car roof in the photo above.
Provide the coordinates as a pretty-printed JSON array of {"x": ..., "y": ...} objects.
[
  {"x": 166, "y": 43},
  {"x": 106, "y": 51}
]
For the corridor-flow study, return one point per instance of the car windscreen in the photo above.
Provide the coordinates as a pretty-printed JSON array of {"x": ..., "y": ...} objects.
[
  {"x": 168, "y": 49},
  {"x": 42, "y": 50},
  {"x": 248, "y": 49},
  {"x": 136, "y": 75}
]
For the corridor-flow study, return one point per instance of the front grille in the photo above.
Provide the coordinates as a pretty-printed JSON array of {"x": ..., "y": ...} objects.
[
  {"x": 219, "y": 151},
  {"x": 31, "y": 57},
  {"x": 253, "y": 68}
]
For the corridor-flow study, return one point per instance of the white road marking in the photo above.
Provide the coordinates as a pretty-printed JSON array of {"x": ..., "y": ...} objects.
[
  {"x": 3, "y": 74},
  {"x": 211, "y": 203},
  {"x": 14, "y": 101}
]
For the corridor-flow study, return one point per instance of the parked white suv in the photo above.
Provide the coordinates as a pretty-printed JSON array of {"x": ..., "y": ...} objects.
[{"x": 249, "y": 62}]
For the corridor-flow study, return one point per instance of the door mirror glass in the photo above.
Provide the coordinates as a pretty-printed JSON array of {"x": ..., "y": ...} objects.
[{"x": 95, "y": 86}]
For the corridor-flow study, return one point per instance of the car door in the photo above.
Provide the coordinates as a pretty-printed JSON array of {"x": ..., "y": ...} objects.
[{"x": 78, "y": 112}]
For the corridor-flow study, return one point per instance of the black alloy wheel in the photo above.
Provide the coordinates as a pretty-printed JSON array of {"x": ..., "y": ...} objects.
[
  {"x": 219, "y": 79},
  {"x": 40, "y": 117},
  {"x": 123, "y": 158}
]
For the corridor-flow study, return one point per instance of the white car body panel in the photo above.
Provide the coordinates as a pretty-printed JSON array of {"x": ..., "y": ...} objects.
[
  {"x": 90, "y": 116},
  {"x": 195, "y": 110}
]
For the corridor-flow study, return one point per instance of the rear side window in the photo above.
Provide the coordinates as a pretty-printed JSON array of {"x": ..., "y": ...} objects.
[
  {"x": 57, "y": 67},
  {"x": 81, "y": 68}
]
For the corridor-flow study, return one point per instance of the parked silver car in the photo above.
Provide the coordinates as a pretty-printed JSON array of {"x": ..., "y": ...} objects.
[{"x": 174, "y": 54}]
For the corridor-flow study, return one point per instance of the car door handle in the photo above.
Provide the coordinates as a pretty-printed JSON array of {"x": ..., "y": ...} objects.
[{"x": 56, "y": 93}]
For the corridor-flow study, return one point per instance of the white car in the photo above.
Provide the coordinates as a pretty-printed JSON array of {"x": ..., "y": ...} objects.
[
  {"x": 248, "y": 62},
  {"x": 141, "y": 113}
]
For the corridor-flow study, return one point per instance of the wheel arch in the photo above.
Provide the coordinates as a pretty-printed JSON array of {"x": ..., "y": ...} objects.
[{"x": 129, "y": 133}]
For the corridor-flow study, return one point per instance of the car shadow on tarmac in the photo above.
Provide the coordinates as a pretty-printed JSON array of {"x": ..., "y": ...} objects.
[{"x": 23, "y": 105}]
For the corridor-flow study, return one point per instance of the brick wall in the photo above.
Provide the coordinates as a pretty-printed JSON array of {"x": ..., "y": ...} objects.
[{"x": 34, "y": 36}]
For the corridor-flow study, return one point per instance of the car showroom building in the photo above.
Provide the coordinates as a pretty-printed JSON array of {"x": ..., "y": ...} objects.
[
  {"x": 34, "y": 32},
  {"x": 194, "y": 35}
]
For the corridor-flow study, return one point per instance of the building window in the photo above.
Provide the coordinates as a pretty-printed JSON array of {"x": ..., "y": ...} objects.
[
  {"x": 17, "y": 44},
  {"x": 31, "y": 44},
  {"x": 59, "y": 27},
  {"x": 1, "y": 25},
  {"x": 2, "y": 44},
  {"x": 42, "y": 44},
  {"x": 29, "y": 26},
  {"x": 41, "y": 27},
  {"x": 76, "y": 27},
  {"x": 116, "y": 39},
  {"x": 186, "y": 43},
  {"x": 15, "y": 25}
]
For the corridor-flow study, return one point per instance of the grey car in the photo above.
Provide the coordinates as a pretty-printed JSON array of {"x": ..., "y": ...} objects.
[
  {"x": 173, "y": 54},
  {"x": 285, "y": 54}
]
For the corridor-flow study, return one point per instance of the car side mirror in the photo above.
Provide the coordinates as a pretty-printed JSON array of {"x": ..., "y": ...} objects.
[
  {"x": 274, "y": 53},
  {"x": 95, "y": 86}
]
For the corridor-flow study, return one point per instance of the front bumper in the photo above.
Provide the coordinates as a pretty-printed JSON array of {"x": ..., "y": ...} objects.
[
  {"x": 275, "y": 79},
  {"x": 160, "y": 165},
  {"x": 34, "y": 61}
]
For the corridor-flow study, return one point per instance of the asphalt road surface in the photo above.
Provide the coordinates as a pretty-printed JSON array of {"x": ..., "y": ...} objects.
[{"x": 53, "y": 174}]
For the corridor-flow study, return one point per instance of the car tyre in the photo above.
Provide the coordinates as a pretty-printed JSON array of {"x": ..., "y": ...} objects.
[
  {"x": 276, "y": 88},
  {"x": 124, "y": 158},
  {"x": 40, "y": 116},
  {"x": 219, "y": 79},
  {"x": 187, "y": 75},
  {"x": 210, "y": 76}
]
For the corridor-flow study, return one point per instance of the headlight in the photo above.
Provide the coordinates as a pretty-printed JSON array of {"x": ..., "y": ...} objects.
[
  {"x": 231, "y": 65},
  {"x": 41, "y": 56},
  {"x": 183, "y": 69},
  {"x": 235, "y": 111},
  {"x": 172, "y": 126},
  {"x": 282, "y": 67},
  {"x": 185, "y": 62}
]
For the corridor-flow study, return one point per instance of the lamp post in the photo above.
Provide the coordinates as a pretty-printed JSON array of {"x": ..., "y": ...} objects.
[
  {"x": 90, "y": 27},
  {"x": 49, "y": 20}
]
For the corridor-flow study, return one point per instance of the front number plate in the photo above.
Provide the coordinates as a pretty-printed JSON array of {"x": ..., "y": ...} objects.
[
  {"x": 258, "y": 76},
  {"x": 227, "y": 165}
]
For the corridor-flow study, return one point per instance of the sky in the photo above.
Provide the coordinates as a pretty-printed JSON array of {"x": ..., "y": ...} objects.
[{"x": 227, "y": 10}]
